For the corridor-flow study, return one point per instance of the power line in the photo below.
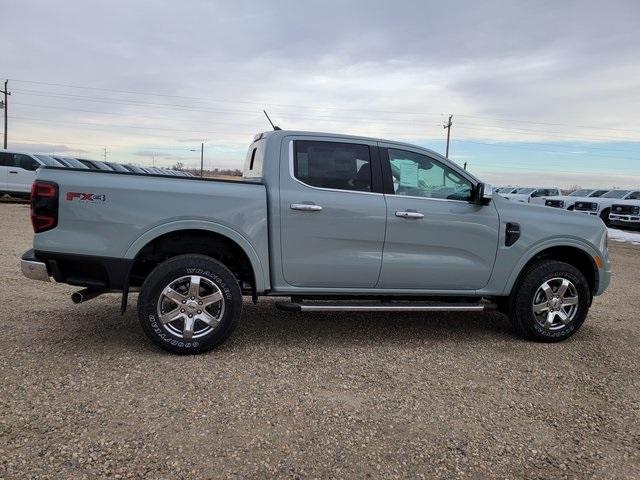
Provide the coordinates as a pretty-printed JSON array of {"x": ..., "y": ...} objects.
[
  {"x": 463, "y": 125},
  {"x": 245, "y": 102},
  {"x": 549, "y": 134},
  {"x": 308, "y": 107},
  {"x": 525, "y": 147},
  {"x": 107, "y": 125}
]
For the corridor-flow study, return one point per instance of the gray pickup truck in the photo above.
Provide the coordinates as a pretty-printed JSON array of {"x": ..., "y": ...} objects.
[{"x": 335, "y": 222}]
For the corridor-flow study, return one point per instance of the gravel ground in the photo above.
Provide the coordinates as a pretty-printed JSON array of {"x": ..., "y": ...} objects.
[{"x": 85, "y": 395}]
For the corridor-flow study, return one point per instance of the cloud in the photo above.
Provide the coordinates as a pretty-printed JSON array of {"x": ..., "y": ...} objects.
[
  {"x": 46, "y": 147},
  {"x": 374, "y": 68}
]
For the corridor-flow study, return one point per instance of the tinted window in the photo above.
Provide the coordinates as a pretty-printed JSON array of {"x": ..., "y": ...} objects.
[
  {"x": 580, "y": 193},
  {"x": 25, "y": 161},
  {"x": 599, "y": 193},
  {"x": 343, "y": 166},
  {"x": 117, "y": 167},
  {"x": 524, "y": 191},
  {"x": 417, "y": 175},
  {"x": 634, "y": 196},
  {"x": 545, "y": 192},
  {"x": 615, "y": 194},
  {"x": 75, "y": 163},
  {"x": 6, "y": 159},
  {"x": 49, "y": 161}
]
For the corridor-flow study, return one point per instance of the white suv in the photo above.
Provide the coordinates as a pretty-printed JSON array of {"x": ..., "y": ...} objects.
[
  {"x": 18, "y": 171},
  {"x": 533, "y": 195}
]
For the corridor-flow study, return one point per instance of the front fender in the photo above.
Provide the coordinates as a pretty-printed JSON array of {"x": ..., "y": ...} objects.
[
  {"x": 535, "y": 249},
  {"x": 261, "y": 274}
]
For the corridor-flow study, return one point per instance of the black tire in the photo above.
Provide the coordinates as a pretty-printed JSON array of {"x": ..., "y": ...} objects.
[
  {"x": 522, "y": 299},
  {"x": 172, "y": 270},
  {"x": 605, "y": 216}
]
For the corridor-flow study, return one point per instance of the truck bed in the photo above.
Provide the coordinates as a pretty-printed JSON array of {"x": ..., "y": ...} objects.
[{"x": 113, "y": 215}]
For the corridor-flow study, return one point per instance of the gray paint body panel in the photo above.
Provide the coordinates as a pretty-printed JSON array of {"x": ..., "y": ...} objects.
[
  {"x": 355, "y": 245},
  {"x": 139, "y": 208}
]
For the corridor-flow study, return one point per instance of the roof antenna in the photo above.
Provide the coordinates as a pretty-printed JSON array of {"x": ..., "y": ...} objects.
[{"x": 272, "y": 125}]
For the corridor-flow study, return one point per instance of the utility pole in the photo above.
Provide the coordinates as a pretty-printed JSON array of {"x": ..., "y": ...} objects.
[
  {"x": 201, "y": 159},
  {"x": 447, "y": 127},
  {"x": 5, "y": 104},
  {"x": 465, "y": 165},
  {"x": 105, "y": 154}
]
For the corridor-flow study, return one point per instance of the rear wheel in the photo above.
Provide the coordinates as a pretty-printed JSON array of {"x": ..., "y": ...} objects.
[
  {"x": 189, "y": 304},
  {"x": 551, "y": 301}
]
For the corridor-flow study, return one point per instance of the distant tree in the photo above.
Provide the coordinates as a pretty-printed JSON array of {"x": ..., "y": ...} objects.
[{"x": 178, "y": 166}]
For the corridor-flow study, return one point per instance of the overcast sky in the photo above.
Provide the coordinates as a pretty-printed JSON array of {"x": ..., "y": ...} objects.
[{"x": 542, "y": 92}]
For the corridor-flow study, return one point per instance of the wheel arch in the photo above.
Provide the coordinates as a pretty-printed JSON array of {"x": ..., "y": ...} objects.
[
  {"x": 203, "y": 237},
  {"x": 577, "y": 255}
]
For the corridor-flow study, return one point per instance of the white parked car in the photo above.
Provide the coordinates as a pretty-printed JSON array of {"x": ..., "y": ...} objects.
[
  {"x": 602, "y": 206},
  {"x": 18, "y": 171},
  {"x": 625, "y": 213},
  {"x": 530, "y": 194},
  {"x": 504, "y": 190},
  {"x": 568, "y": 201}
]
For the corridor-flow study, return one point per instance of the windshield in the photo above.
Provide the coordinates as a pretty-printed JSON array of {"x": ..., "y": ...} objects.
[
  {"x": 48, "y": 161},
  {"x": 525, "y": 191},
  {"x": 580, "y": 193},
  {"x": 75, "y": 163},
  {"x": 616, "y": 194},
  {"x": 598, "y": 193},
  {"x": 101, "y": 165}
]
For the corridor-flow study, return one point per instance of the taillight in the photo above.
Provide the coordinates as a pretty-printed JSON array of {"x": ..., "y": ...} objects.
[{"x": 44, "y": 206}]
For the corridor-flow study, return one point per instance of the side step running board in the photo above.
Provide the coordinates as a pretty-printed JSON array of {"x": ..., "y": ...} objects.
[{"x": 383, "y": 307}]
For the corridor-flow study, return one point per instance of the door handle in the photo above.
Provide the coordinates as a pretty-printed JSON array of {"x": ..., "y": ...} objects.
[
  {"x": 307, "y": 207},
  {"x": 408, "y": 214},
  {"x": 12, "y": 171}
]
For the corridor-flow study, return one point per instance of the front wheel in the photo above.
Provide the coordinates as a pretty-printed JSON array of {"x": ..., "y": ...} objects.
[
  {"x": 605, "y": 216},
  {"x": 189, "y": 304},
  {"x": 551, "y": 302}
]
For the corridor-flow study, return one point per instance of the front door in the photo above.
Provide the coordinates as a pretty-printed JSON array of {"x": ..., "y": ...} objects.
[
  {"x": 332, "y": 213},
  {"x": 437, "y": 238}
]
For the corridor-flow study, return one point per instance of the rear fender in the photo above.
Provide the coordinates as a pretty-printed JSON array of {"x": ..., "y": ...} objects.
[{"x": 261, "y": 276}]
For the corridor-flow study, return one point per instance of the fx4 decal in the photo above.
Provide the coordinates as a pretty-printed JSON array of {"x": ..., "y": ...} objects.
[{"x": 86, "y": 197}]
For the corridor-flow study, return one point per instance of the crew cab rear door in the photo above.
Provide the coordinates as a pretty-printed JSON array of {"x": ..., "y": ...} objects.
[
  {"x": 437, "y": 238},
  {"x": 21, "y": 173},
  {"x": 6, "y": 159},
  {"x": 332, "y": 212}
]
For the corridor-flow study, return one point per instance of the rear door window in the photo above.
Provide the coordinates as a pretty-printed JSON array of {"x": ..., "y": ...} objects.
[
  {"x": 6, "y": 159},
  {"x": 25, "y": 162},
  {"x": 335, "y": 165}
]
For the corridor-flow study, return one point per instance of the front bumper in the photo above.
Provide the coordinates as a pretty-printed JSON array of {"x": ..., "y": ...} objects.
[
  {"x": 587, "y": 212},
  {"x": 625, "y": 219},
  {"x": 33, "y": 268}
]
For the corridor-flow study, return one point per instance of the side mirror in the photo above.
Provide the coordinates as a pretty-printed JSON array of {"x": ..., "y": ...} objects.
[{"x": 484, "y": 193}]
